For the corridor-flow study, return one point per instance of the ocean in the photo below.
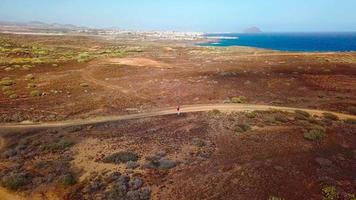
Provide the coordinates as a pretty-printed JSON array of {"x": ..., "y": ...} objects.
[{"x": 302, "y": 42}]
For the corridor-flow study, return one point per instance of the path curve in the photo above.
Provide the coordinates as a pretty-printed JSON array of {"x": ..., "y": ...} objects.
[{"x": 169, "y": 111}]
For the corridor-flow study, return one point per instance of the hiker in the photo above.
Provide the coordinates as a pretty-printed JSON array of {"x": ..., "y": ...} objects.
[{"x": 178, "y": 110}]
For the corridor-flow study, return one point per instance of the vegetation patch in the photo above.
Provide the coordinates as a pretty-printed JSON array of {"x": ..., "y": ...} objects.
[
  {"x": 6, "y": 82},
  {"x": 316, "y": 133},
  {"x": 14, "y": 180},
  {"x": 198, "y": 142},
  {"x": 240, "y": 128},
  {"x": 29, "y": 77},
  {"x": 352, "y": 110},
  {"x": 13, "y": 96},
  {"x": 281, "y": 118},
  {"x": 84, "y": 85},
  {"x": 69, "y": 180},
  {"x": 121, "y": 157},
  {"x": 275, "y": 198},
  {"x": 301, "y": 115},
  {"x": 330, "y": 116},
  {"x": 330, "y": 193},
  {"x": 35, "y": 93},
  {"x": 240, "y": 99},
  {"x": 350, "y": 121},
  {"x": 6, "y": 88},
  {"x": 61, "y": 145}
]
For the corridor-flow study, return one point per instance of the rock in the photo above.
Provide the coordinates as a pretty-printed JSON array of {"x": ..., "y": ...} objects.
[{"x": 323, "y": 162}]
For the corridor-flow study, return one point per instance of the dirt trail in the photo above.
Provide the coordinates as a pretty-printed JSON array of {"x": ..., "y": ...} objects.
[
  {"x": 169, "y": 111},
  {"x": 5, "y": 195}
]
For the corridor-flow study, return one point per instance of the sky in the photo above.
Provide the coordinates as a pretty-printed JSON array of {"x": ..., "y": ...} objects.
[{"x": 189, "y": 15}]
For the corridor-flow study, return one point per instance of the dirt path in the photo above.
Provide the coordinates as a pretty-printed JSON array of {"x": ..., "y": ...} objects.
[
  {"x": 87, "y": 75},
  {"x": 5, "y": 195},
  {"x": 169, "y": 111}
]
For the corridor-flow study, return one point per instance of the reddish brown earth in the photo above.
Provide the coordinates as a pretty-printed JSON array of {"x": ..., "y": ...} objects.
[{"x": 213, "y": 158}]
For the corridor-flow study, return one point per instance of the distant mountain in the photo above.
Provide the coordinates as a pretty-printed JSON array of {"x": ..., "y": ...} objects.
[
  {"x": 41, "y": 25},
  {"x": 252, "y": 30}
]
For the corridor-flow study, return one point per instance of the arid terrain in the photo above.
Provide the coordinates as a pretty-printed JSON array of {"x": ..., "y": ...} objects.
[{"x": 93, "y": 117}]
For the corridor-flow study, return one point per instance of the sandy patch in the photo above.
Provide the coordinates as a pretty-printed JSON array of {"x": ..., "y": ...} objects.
[{"x": 140, "y": 62}]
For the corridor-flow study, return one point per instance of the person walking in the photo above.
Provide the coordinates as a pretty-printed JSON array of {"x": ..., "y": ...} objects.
[{"x": 178, "y": 110}]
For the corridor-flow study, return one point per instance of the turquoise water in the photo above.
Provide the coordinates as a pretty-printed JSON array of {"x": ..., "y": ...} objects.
[{"x": 305, "y": 42}]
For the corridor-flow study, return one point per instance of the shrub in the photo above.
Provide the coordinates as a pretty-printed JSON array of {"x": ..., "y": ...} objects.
[
  {"x": 8, "y": 69},
  {"x": 330, "y": 116},
  {"x": 84, "y": 85},
  {"x": 31, "y": 85},
  {"x": 14, "y": 181},
  {"x": 84, "y": 57},
  {"x": 13, "y": 96},
  {"x": 240, "y": 99},
  {"x": 352, "y": 110},
  {"x": 330, "y": 193},
  {"x": 317, "y": 133},
  {"x": 198, "y": 142},
  {"x": 350, "y": 121},
  {"x": 6, "y": 82},
  {"x": 9, "y": 92},
  {"x": 27, "y": 66},
  {"x": 303, "y": 113},
  {"x": 6, "y": 88},
  {"x": 29, "y": 77},
  {"x": 281, "y": 118},
  {"x": 239, "y": 128},
  {"x": 121, "y": 157},
  {"x": 69, "y": 180},
  {"x": 35, "y": 93},
  {"x": 274, "y": 198},
  {"x": 251, "y": 115},
  {"x": 59, "y": 146},
  {"x": 132, "y": 165}
]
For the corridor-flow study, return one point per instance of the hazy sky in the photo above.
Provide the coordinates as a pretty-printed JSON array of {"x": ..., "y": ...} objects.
[{"x": 189, "y": 15}]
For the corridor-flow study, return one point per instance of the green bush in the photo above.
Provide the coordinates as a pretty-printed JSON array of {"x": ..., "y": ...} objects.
[
  {"x": 198, "y": 142},
  {"x": 35, "y": 93},
  {"x": 352, "y": 110},
  {"x": 9, "y": 92},
  {"x": 121, "y": 157},
  {"x": 301, "y": 114},
  {"x": 31, "y": 85},
  {"x": 69, "y": 180},
  {"x": 251, "y": 115},
  {"x": 330, "y": 193},
  {"x": 59, "y": 146},
  {"x": 14, "y": 181},
  {"x": 330, "y": 116},
  {"x": 274, "y": 198},
  {"x": 240, "y": 99},
  {"x": 84, "y": 57},
  {"x": 239, "y": 128},
  {"x": 281, "y": 118},
  {"x": 6, "y": 82},
  {"x": 317, "y": 133},
  {"x": 84, "y": 85},
  {"x": 6, "y": 88},
  {"x": 29, "y": 77},
  {"x": 13, "y": 96},
  {"x": 350, "y": 121}
]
